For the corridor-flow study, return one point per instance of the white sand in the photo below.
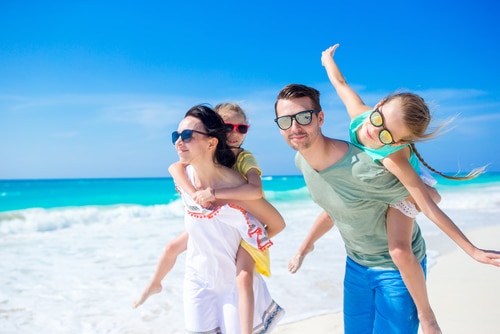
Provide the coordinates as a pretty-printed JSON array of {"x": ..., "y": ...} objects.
[{"x": 464, "y": 294}]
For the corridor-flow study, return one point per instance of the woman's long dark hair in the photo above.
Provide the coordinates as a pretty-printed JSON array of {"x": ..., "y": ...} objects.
[{"x": 214, "y": 126}]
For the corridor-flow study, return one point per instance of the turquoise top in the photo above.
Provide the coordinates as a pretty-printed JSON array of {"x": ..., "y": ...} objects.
[{"x": 382, "y": 152}]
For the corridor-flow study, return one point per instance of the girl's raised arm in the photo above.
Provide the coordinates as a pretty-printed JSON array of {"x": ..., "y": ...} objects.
[{"x": 349, "y": 97}]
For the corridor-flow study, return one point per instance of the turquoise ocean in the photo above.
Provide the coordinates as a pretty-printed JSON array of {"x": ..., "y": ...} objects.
[{"x": 75, "y": 253}]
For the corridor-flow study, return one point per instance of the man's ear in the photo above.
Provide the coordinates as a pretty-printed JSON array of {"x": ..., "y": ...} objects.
[{"x": 321, "y": 117}]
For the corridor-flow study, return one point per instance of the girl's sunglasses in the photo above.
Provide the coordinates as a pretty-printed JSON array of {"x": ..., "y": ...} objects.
[
  {"x": 377, "y": 120},
  {"x": 302, "y": 118},
  {"x": 241, "y": 128},
  {"x": 185, "y": 135}
]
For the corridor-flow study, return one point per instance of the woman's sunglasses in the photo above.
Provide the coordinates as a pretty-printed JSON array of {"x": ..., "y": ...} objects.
[
  {"x": 377, "y": 120},
  {"x": 185, "y": 135},
  {"x": 302, "y": 118},
  {"x": 241, "y": 128}
]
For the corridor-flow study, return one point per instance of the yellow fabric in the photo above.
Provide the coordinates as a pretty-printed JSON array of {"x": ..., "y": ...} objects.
[
  {"x": 261, "y": 258},
  {"x": 244, "y": 162}
]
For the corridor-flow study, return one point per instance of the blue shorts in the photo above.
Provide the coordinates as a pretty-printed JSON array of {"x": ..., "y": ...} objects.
[{"x": 376, "y": 301}]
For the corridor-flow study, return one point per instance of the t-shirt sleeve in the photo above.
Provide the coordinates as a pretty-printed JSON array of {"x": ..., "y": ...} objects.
[{"x": 246, "y": 161}]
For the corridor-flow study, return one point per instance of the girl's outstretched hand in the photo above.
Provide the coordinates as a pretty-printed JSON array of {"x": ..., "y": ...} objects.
[
  {"x": 487, "y": 256},
  {"x": 328, "y": 54}
]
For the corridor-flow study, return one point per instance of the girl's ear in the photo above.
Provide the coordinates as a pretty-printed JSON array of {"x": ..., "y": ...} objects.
[{"x": 402, "y": 142}]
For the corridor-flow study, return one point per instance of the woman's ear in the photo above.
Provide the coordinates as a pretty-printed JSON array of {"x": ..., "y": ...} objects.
[{"x": 212, "y": 143}]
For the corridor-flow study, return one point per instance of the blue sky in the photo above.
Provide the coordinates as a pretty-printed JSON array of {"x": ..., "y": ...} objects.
[{"x": 95, "y": 88}]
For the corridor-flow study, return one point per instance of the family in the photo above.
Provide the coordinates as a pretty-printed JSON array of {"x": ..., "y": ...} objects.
[{"x": 370, "y": 188}]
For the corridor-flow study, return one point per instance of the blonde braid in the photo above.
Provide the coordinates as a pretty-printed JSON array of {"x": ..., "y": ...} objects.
[{"x": 472, "y": 174}]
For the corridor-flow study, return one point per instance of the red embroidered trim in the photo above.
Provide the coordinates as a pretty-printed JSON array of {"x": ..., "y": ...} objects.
[
  {"x": 263, "y": 241},
  {"x": 211, "y": 215}
]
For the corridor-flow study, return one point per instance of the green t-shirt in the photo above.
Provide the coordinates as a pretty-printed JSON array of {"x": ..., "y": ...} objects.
[{"x": 356, "y": 192}]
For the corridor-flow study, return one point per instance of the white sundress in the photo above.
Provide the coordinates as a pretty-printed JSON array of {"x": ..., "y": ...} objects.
[{"x": 210, "y": 293}]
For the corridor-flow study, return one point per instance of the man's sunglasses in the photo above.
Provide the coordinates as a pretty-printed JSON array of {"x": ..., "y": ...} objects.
[
  {"x": 377, "y": 120},
  {"x": 241, "y": 128},
  {"x": 186, "y": 135},
  {"x": 302, "y": 118}
]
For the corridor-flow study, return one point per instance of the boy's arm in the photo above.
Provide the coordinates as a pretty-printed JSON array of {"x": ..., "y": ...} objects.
[
  {"x": 251, "y": 190},
  {"x": 266, "y": 213},
  {"x": 349, "y": 97},
  {"x": 178, "y": 172},
  {"x": 398, "y": 164}
]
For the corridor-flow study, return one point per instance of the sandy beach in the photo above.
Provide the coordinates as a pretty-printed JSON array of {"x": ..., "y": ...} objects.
[{"x": 464, "y": 294}]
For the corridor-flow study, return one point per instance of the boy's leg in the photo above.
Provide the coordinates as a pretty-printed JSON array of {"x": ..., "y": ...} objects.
[{"x": 244, "y": 279}]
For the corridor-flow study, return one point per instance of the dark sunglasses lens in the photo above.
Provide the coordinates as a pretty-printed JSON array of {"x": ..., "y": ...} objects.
[
  {"x": 185, "y": 135},
  {"x": 284, "y": 122},
  {"x": 229, "y": 127},
  {"x": 242, "y": 128},
  {"x": 175, "y": 136}
]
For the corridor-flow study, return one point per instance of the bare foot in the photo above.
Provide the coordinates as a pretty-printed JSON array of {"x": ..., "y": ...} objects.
[
  {"x": 150, "y": 290},
  {"x": 295, "y": 262}
]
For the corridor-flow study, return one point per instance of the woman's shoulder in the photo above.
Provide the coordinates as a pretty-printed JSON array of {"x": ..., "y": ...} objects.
[{"x": 229, "y": 178}]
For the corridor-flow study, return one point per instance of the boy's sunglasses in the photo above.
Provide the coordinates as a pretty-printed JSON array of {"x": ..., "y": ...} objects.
[
  {"x": 241, "y": 128},
  {"x": 302, "y": 118},
  {"x": 377, "y": 119},
  {"x": 185, "y": 135}
]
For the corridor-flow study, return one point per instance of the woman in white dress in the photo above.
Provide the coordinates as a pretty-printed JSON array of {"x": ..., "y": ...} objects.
[{"x": 210, "y": 293}]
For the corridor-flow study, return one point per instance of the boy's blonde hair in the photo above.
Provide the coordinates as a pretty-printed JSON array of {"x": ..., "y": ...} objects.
[{"x": 224, "y": 108}]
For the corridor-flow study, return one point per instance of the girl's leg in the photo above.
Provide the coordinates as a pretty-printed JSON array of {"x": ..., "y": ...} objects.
[
  {"x": 395, "y": 311},
  {"x": 399, "y": 232},
  {"x": 165, "y": 264},
  {"x": 244, "y": 279}
]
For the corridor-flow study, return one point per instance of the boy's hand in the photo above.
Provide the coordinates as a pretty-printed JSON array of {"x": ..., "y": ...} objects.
[{"x": 204, "y": 197}]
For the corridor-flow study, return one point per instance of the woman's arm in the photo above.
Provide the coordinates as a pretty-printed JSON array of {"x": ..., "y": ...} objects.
[
  {"x": 398, "y": 164},
  {"x": 349, "y": 97}
]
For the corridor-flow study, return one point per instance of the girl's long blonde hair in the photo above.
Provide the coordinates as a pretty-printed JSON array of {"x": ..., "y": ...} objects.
[{"x": 417, "y": 117}]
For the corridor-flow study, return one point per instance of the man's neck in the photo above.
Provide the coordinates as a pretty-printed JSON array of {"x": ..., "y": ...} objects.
[{"x": 324, "y": 153}]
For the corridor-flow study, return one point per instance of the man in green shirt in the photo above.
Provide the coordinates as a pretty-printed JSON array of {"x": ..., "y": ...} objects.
[{"x": 354, "y": 193}]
